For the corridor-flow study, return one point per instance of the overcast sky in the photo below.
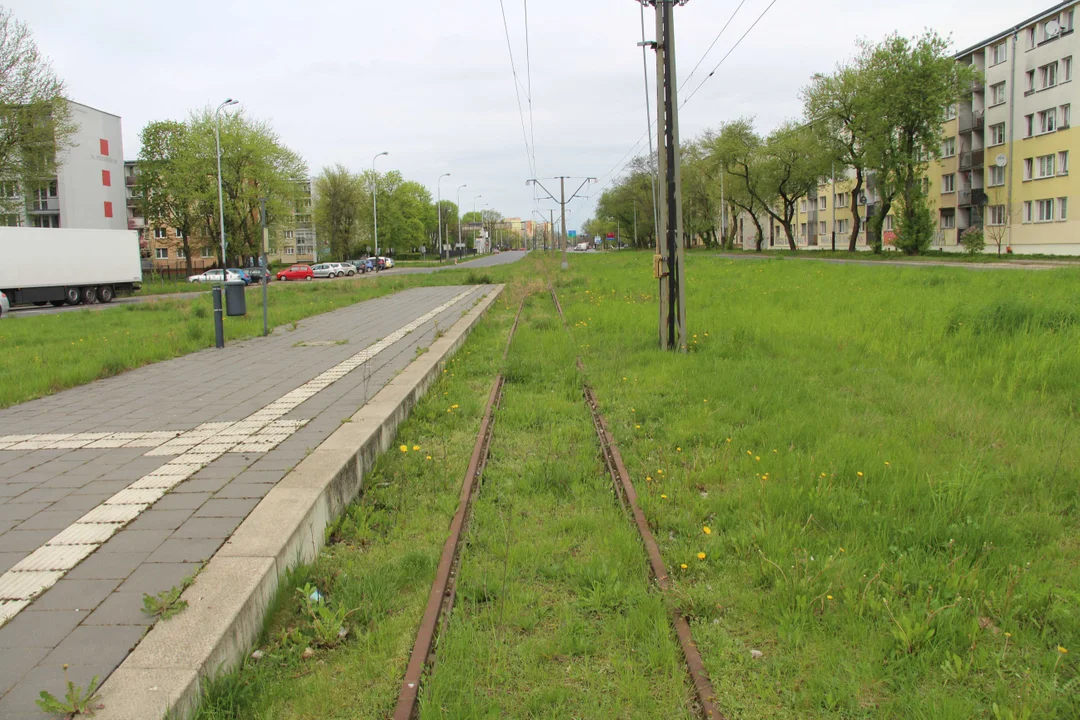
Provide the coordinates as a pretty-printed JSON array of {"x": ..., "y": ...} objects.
[{"x": 430, "y": 80}]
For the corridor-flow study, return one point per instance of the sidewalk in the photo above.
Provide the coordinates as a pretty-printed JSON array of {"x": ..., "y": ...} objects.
[{"x": 128, "y": 485}]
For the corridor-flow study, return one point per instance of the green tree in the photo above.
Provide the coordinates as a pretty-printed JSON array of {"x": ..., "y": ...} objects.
[
  {"x": 627, "y": 202},
  {"x": 792, "y": 165},
  {"x": 35, "y": 119},
  {"x": 841, "y": 110},
  {"x": 910, "y": 84},
  {"x": 254, "y": 164},
  {"x": 340, "y": 201},
  {"x": 172, "y": 186},
  {"x": 407, "y": 214}
]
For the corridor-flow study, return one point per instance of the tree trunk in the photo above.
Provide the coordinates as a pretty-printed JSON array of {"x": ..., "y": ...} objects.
[
  {"x": 187, "y": 252},
  {"x": 856, "y": 215},
  {"x": 790, "y": 236},
  {"x": 760, "y": 239}
]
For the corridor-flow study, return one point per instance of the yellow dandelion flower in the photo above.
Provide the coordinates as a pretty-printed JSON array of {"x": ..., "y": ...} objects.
[
  {"x": 415, "y": 448},
  {"x": 684, "y": 566},
  {"x": 829, "y": 597},
  {"x": 648, "y": 478},
  {"x": 859, "y": 473},
  {"x": 843, "y": 550},
  {"x": 1062, "y": 650},
  {"x": 664, "y": 497},
  {"x": 757, "y": 458},
  {"x": 729, "y": 439},
  {"x": 455, "y": 406},
  {"x": 1008, "y": 634},
  {"x": 678, "y": 449},
  {"x": 404, "y": 448},
  {"x": 701, "y": 556},
  {"x": 707, "y": 530},
  {"x": 428, "y": 457},
  {"x": 822, "y": 474},
  {"x": 888, "y": 464}
]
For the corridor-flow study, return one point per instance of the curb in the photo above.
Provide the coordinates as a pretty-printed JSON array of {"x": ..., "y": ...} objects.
[{"x": 229, "y": 599}]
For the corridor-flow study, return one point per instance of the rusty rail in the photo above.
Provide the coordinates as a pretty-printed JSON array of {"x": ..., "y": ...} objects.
[
  {"x": 624, "y": 490},
  {"x": 444, "y": 589}
]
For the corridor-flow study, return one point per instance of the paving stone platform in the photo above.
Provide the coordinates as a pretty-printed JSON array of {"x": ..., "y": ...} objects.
[{"x": 128, "y": 485}]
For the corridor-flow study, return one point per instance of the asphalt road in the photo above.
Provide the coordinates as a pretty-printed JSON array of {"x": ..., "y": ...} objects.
[{"x": 486, "y": 261}]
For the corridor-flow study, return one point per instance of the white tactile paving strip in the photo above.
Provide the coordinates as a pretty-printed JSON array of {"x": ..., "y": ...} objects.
[{"x": 193, "y": 450}]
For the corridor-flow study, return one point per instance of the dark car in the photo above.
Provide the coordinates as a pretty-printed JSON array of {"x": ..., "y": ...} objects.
[
  {"x": 257, "y": 274},
  {"x": 243, "y": 275}
]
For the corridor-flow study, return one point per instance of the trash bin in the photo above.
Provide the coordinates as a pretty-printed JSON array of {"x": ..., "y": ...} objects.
[{"x": 235, "y": 299}]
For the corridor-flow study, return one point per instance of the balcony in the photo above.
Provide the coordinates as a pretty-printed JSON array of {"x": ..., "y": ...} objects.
[
  {"x": 973, "y": 159},
  {"x": 130, "y": 180},
  {"x": 971, "y": 121},
  {"x": 963, "y": 197}
]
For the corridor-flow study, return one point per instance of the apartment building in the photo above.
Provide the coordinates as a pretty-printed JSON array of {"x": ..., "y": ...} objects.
[
  {"x": 299, "y": 243},
  {"x": 162, "y": 248},
  {"x": 87, "y": 192},
  {"x": 1006, "y": 147}
]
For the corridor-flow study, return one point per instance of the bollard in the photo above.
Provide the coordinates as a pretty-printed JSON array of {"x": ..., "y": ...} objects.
[{"x": 219, "y": 323}]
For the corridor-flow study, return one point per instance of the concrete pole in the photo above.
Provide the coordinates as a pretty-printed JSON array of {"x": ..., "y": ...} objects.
[{"x": 562, "y": 236}]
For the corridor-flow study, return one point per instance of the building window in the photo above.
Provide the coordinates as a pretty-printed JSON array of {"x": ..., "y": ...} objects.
[
  {"x": 160, "y": 233},
  {"x": 1029, "y": 164},
  {"x": 1031, "y": 37},
  {"x": 1027, "y": 211},
  {"x": 822, "y": 203},
  {"x": 1000, "y": 53},
  {"x": 997, "y": 134},
  {"x": 103, "y": 146},
  {"x": 802, "y": 205},
  {"x": 207, "y": 253},
  {"x": 841, "y": 200},
  {"x": 948, "y": 219},
  {"x": 1066, "y": 69},
  {"x": 1062, "y": 205},
  {"x": 997, "y": 94},
  {"x": 842, "y": 227},
  {"x": 802, "y": 230},
  {"x": 926, "y": 185},
  {"x": 1029, "y": 125},
  {"x": 1048, "y": 121},
  {"x": 948, "y": 148},
  {"x": 289, "y": 234},
  {"x": 1065, "y": 116},
  {"x": 948, "y": 183},
  {"x": 290, "y": 250},
  {"x": 181, "y": 254},
  {"x": 162, "y": 253},
  {"x": 1067, "y": 21},
  {"x": 1048, "y": 75},
  {"x": 997, "y": 215},
  {"x": 950, "y": 113},
  {"x": 106, "y": 178},
  {"x": 108, "y": 209},
  {"x": 822, "y": 228},
  {"x": 1046, "y": 166},
  {"x": 997, "y": 176},
  {"x": 1063, "y": 162},
  {"x": 1045, "y": 210},
  {"x": 179, "y": 233},
  {"x": 888, "y": 224}
]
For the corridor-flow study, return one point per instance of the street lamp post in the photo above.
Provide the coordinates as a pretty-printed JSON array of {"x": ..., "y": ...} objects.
[
  {"x": 460, "y": 187},
  {"x": 375, "y": 204},
  {"x": 438, "y": 185},
  {"x": 480, "y": 218},
  {"x": 221, "y": 196}
]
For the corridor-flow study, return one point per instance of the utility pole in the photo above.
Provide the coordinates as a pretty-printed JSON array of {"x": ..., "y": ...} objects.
[
  {"x": 551, "y": 228},
  {"x": 834, "y": 206},
  {"x": 265, "y": 262},
  {"x": 670, "y": 263},
  {"x": 562, "y": 205}
]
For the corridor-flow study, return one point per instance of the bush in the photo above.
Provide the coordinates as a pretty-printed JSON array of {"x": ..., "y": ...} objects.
[{"x": 973, "y": 240}]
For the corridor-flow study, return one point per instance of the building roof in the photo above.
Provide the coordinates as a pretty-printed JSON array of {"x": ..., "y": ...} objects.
[
  {"x": 1004, "y": 34},
  {"x": 95, "y": 109}
]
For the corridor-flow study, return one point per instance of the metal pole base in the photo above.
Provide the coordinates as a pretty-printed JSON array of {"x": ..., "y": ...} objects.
[{"x": 219, "y": 321}]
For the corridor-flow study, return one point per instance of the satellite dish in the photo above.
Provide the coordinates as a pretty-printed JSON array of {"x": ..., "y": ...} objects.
[
  {"x": 1001, "y": 160},
  {"x": 1053, "y": 28}
]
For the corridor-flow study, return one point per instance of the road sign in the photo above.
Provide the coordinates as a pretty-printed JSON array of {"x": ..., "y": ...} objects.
[{"x": 572, "y": 233}]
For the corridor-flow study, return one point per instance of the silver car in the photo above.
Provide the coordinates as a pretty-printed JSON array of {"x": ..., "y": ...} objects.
[
  {"x": 324, "y": 270},
  {"x": 5, "y": 306},
  {"x": 343, "y": 269}
]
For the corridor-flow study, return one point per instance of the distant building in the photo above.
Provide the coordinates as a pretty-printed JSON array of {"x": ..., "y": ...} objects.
[
  {"x": 298, "y": 243},
  {"x": 88, "y": 191}
]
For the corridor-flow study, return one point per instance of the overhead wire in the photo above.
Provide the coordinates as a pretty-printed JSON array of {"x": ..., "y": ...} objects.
[{"x": 517, "y": 93}]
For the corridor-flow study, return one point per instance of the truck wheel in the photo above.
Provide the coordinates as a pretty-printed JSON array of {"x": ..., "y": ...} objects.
[
  {"x": 72, "y": 296},
  {"x": 89, "y": 295},
  {"x": 105, "y": 294}
]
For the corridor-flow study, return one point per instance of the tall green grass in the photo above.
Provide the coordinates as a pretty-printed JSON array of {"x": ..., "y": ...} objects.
[{"x": 887, "y": 461}]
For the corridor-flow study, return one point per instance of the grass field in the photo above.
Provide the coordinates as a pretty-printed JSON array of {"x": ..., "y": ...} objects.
[
  {"x": 887, "y": 461},
  {"x": 878, "y": 464},
  {"x": 989, "y": 257},
  {"x": 47, "y": 353}
]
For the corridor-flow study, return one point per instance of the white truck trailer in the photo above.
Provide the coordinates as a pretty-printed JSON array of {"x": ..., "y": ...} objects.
[{"x": 73, "y": 267}]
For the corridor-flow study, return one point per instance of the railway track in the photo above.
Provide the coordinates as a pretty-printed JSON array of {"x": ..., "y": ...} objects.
[{"x": 443, "y": 591}]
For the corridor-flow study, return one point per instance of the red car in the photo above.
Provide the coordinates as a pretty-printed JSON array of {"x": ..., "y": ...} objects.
[{"x": 296, "y": 272}]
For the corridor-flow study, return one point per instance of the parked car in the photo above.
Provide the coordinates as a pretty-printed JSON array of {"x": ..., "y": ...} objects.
[
  {"x": 213, "y": 276},
  {"x": 343, "y": 269},
  {"x": 5, "y": 307},
  {"x": 362, "y": 266},
  {"x": 241, "y": 275},
  {"x": 296, "y": 272},
  {"x": 324, "y": 270},
  {"x": 257, "y": 274},
  {"x": 385, "y": 263}
]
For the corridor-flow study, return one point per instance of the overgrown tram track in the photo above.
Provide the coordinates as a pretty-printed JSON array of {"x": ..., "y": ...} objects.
[
  {"x": 624, "y": 490},
  {"x": 444, "y": 589}
]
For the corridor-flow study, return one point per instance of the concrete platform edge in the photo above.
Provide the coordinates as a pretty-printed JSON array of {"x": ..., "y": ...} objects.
[{"x": 228, "y": 601}]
